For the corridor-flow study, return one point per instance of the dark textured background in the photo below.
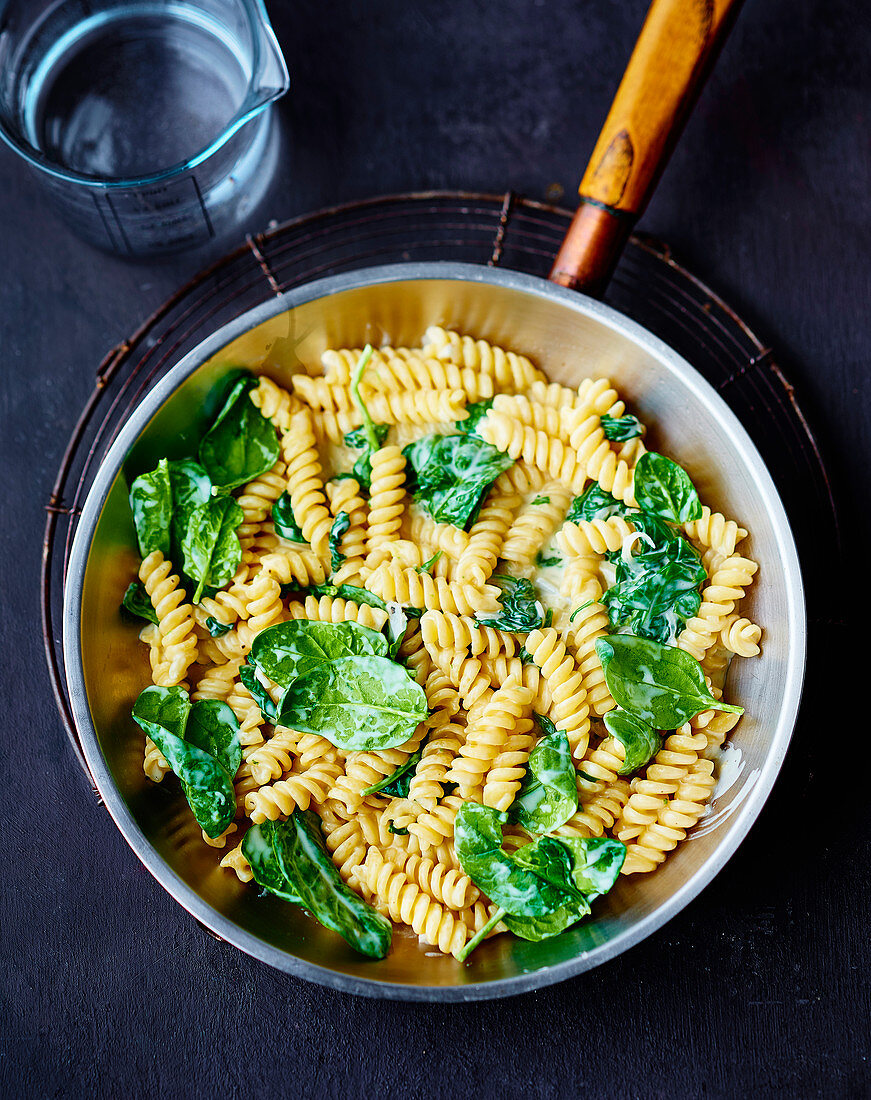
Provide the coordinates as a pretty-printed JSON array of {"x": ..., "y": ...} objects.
[{"x": 760, "y": 987}]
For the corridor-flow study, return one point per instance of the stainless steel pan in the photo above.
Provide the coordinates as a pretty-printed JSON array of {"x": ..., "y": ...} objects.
[{"x": 569, "y": 335}]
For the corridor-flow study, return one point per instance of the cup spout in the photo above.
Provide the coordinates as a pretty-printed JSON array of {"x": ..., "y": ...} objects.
[{"x": 270, "y": 79}]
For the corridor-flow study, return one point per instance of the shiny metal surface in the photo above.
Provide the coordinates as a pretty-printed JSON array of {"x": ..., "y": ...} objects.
[{"x": 569, "y": 336}]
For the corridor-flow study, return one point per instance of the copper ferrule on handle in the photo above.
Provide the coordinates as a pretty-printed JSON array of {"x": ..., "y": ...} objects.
[{"x": 591, "y": 248}]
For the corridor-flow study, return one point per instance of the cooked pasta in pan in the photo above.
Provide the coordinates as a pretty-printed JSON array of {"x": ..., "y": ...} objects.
[{"x": 434, "y": 641}]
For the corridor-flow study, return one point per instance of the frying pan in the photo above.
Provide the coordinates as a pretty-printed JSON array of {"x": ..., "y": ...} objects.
[{"x": 570, "y": 335}]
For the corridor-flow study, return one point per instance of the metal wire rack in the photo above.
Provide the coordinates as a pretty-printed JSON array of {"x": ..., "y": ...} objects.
[{"x": 505, "y": 230}]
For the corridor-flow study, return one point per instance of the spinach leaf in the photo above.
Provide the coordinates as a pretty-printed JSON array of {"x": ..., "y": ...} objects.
[
  {"x": 513, "y": 887},
  {"x": 477, "y": 410},
  {"x": 660, "y": 533},
  {"x": 284, "y": 521},
  {"x": 540, "y": 500},
  {"x": 593, "y": 503},
  {"x": 551, "y": 860},
  {"x": 359, "y": 702},
  {"x": 359, "y": 438},
  {"x": 167, "y": 707},
  {"x": 164, "y": 714},
  {"x": 664, "y": 489},
  {"x": 258, "y": 850},
  {"x": 189, "y": 486},
  {"x": 520, "y": 608},
  {"x": 397, "y": 624},
  {"x": 151, "y": 504},
  {"x": 397, "y": 830},
  {"x": 212, "y": 727},
  {"x": 248, "y": 676},
  {"x": 216, "y": 629},
  {"x": 548, "y": 795},
  {"x": 597, "y": 862},
  {"x": 621, "y": 428},
  {"x": 398, "y": 783},
  {"x": 350, "y": 592},
  {"x": 137, "y": 602},
  {"x": 312, "y": 876},
  {"x": 288, "y": 650},
  {"x": 660, "y": 684},
  {"x": 656, "y": 591},
  {"x": 210, "y": 545},
  {"x": 340, "y": 525},
  {"x": 548, "y": 729},
  {"x": 241, "y": 444},
  {"x": 428, "y": 565},
  {"x": 450, "y": 474},
  {"x": 639, "y": 739},
  {"x": 544, "y": 562}
]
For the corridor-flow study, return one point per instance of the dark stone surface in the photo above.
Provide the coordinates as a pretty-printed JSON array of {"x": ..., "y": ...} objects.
[{"x": 760, "y": 987}]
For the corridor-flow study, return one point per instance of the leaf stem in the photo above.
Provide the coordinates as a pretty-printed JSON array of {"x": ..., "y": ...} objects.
[
  {"x": 467, "y": 950},
  {"x": 356, "y": 377},
  {"x": 199, "y": 591}
]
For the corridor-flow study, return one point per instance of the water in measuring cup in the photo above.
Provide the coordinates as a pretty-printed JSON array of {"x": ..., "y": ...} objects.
[{"x": 133, "y": 91}]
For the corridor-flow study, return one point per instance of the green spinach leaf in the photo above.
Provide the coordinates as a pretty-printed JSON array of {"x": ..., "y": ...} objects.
[
  {"x": 513, "y": 887},
  {"x": 664, "y": 489},
  {"x": 210, "y": 545},
  {"x": 520, "y": 608},
  {"x": 248, "y": 676},
  {"x": 312, "y": 876},
  {"x": 661, "y": 684},
  {"x": 656, "y": 591},
  {"x": 540, "y": 500},
  {"x": 477, "y": 410},
  {"x": 450, "y": 474},
  {"x": 283, "y": 520},
  {"x": 398, "y": 783},
  {"x": 212, "y": 727},
  {"x": 429, "y": 565},
  {"x": 350, "y": 592},
  {"x": 620, "y": 428},
  {"x": 359, "y": 439},
  {"x": 593, "y": 503},
  {"x": 258, "y": 850},
  {"x": 151, "y": 504},
  {"x": 190, "y": 486},
  {"x": 216, "y": 629},
  {"x": 544, "y": 562},
  {"x": 548, "y": 795},
  {"x": 288, "y": 650},
  {"x": 165, "y": 714},
  {"x": 639, "y": 739},
  {"x": 340, "y": 525},
  {"x": 137, "y": 602},
  {"x": 359, "y": 702},
  {"x": 241, "y": 444}
]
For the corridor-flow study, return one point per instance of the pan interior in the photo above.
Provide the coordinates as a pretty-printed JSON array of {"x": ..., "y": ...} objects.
[{"x": 570, "y": 338}]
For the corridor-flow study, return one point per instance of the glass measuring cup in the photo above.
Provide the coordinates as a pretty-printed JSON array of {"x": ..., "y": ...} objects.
[{"x": 148, "y": 121}]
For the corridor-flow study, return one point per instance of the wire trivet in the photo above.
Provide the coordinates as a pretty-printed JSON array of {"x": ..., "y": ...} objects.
[{"x": 505, "y": 230}]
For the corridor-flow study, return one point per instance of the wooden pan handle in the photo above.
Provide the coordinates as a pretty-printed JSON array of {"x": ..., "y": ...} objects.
[{"x": 677, "y": 46}]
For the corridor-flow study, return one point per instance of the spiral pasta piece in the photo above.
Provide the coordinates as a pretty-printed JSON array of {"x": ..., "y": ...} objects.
[
  {"x": 441, "y": 630},
  {"x": 488, "y": 532},
  {"x": 534, "y": 525},
  {"x": 465, "y": 673},
  {"x": 274, "y": 758},
  {"x": 543, "y": 418},
  {"x": 299, "y": 567},
  {"x": 363, "y": 769},
  {"x": 508, "y": 769},
  {"x": 335, "y": 609},
  {"x": 674, "y": 818},
  {"x": 436, "y": 825},
  {"x": 569, "y": 709},
  {"x": 217, "y": 681},
  {"x": 598, "y": 813},
  {"x": 274, "y": 402},
  {"x": 446, "y": 885},
  {"x": 719, "y": 596},
  {"x": 236, "y": 862},
  {"x": 712, "y": 531},
  {"x": 297, "y": 791},
  {"x": 547, "y": 453},
  {"x": 408, "y": 904},
  {"x": 594, "y": 536},
  {"x": 425, "y": 532},
  {"x": 414, "y": 371},
  {"x": 344, "y": 496},
  {"x": 499, "y": 669},
  {"x": 664, "y": 774},
  {"x": 741, "y": 636},
  {"x": 386, "y": 497},
  {"x": 589, "y": 622},
  {"x": 244, "y": 706},
  {"x": 428, "y": 783},
  {"x": 598, "y": 460},
  {"x": 488, "y": 735},
  {"x": 394, "y": 583},
  {"x": 509, "y": 370},
  {"x": 305, "y": 483},
  {"x": 256, "y": 500},
  {"x": 175, "y": 619}
]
